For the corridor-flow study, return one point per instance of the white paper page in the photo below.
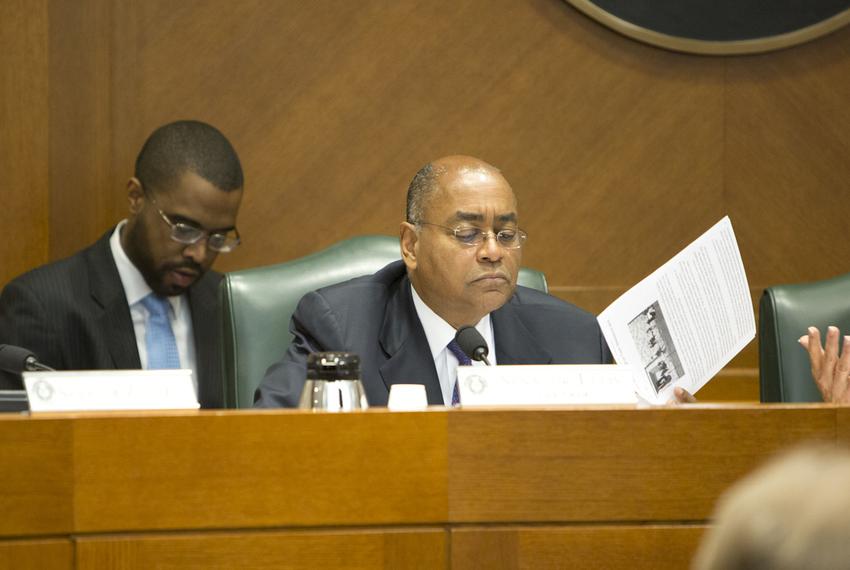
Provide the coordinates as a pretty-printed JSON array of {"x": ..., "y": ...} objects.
[{"x": 686, "y": 320}]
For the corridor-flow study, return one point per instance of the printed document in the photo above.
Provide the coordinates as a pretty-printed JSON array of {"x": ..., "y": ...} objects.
[{"x": 685, "y": 321}]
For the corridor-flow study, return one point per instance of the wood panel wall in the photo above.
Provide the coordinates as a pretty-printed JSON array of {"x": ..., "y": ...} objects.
[
  {"x": 620, "y": 153},
  {"x": 23, "y": 135}
]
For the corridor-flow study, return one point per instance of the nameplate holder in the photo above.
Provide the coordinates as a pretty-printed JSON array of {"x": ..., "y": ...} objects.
[
  {"x": 98, "y": 390},
  {"x": 554, "y": 384}
]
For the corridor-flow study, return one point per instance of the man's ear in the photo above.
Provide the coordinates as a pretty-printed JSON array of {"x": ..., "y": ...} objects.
[
  {"x": 135, "y": 195},
  {"x": 409, "y": 239}
]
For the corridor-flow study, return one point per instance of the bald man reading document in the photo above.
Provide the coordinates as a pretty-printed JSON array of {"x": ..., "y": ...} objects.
[{"x": 461, "y": 247}]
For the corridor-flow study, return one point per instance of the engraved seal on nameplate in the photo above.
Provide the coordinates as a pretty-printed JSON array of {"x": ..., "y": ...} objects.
[
  {"x": 476, "y": 384},
  {"x": 44, "y": 390}
]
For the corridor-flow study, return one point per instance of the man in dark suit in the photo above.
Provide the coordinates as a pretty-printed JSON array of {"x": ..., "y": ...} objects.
[
  {"x": 461, "y": 249},
  {"x": 142, "y": 295}
]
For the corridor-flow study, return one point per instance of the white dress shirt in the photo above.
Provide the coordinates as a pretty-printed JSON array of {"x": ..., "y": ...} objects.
[
  {"x": 136, "y": 289},
  {"x": 439, "y": 334}
]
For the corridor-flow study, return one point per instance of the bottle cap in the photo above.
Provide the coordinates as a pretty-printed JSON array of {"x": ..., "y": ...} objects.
[{"x": 333, "y": 366}]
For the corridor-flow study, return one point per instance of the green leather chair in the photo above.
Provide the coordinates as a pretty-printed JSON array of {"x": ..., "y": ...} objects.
[
  {"x": 257, "y": 305},
  {"x": 785, "y": 312}
]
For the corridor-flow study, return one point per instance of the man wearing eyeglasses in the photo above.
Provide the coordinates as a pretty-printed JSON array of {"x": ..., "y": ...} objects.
[
  {"x": 461, "y": 248},
  {"x": 142, "y": 296}
]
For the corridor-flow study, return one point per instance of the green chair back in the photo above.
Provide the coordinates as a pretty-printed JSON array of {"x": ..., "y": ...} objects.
[
  {"x": 785, "y": 312},
  {"x": 258, "y": 303}
]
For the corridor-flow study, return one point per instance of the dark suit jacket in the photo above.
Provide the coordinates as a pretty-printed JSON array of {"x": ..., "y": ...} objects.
[
  {"x": 73, "y": 315},
  {"x": 374, "y": 317}
]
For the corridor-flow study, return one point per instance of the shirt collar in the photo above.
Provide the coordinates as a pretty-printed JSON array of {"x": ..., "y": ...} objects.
[
  {"x": 440, "y": 333},
  {"x": 135, "y": 286}
]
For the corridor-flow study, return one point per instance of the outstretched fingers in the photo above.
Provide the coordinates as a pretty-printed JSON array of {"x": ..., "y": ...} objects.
[{"x": 841, "y": 377}]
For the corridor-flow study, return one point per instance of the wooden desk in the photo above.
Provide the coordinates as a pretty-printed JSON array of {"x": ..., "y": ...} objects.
[{"x": 596, "y": 487}]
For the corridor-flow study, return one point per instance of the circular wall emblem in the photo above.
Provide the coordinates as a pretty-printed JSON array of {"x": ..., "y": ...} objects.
[{"x": 719, "y": 27}]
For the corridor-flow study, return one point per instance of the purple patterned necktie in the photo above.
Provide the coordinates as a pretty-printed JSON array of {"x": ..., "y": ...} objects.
[{"x": 462, "y": 360}]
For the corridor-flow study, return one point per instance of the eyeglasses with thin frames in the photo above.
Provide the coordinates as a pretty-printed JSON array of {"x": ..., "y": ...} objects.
[
  {"x": 471, "y": 236},
  {"x": 221, "y": 242}
]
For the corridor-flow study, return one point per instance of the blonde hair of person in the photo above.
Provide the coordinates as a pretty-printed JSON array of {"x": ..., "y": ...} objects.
[{"x": 793, "y": 513}]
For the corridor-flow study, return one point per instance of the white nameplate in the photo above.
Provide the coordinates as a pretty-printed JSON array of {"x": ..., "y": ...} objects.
[
  {"x": 546, "y": 385},
  {"x": 92, "y": 390}
]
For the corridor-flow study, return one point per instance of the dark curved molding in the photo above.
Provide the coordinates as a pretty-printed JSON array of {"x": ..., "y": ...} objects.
[{"x": 742, "y": 39}]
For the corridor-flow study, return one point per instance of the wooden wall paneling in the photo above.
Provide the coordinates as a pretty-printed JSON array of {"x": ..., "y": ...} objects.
[
  {"x": 283, "y": 88},
  {"x": 140, "y": 473},
  {"x": 622, "y": 161},
  {"x": 334, "y": 106},
  {"x": 385, "y": 549},
  {"x": 45, "y": 554},
  {"x": 559, "y": 466},
  {"x": 732, "y": 385},
  {"x": 36, "y": 498},
  {"x": 23, "y": 136},
  {"x": 842, "y": 420},
  {"x": 787, "y": 166},
  {"x": 578, "y": 547},
  {"x": 81, "y": 130},
  {"x": 132, "y": 87}
]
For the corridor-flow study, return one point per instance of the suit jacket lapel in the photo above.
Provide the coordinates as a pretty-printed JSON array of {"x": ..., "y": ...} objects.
[
  {"x": 114, "y": 319},
  {"x": 203, "y": 301},
  {"x": 403, "y": 340},
  {"x": 514, "y": 342}
]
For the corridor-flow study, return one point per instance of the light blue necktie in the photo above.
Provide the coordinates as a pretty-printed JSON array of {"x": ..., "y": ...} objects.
[{"x": 159, "y": 338}]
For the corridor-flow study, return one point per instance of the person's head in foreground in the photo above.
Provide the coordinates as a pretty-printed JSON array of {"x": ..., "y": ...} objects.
[{"x": 793, "y": 513}]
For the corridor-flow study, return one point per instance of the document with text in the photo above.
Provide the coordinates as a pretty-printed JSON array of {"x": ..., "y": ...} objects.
[{"x": 686, "y": 320}]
